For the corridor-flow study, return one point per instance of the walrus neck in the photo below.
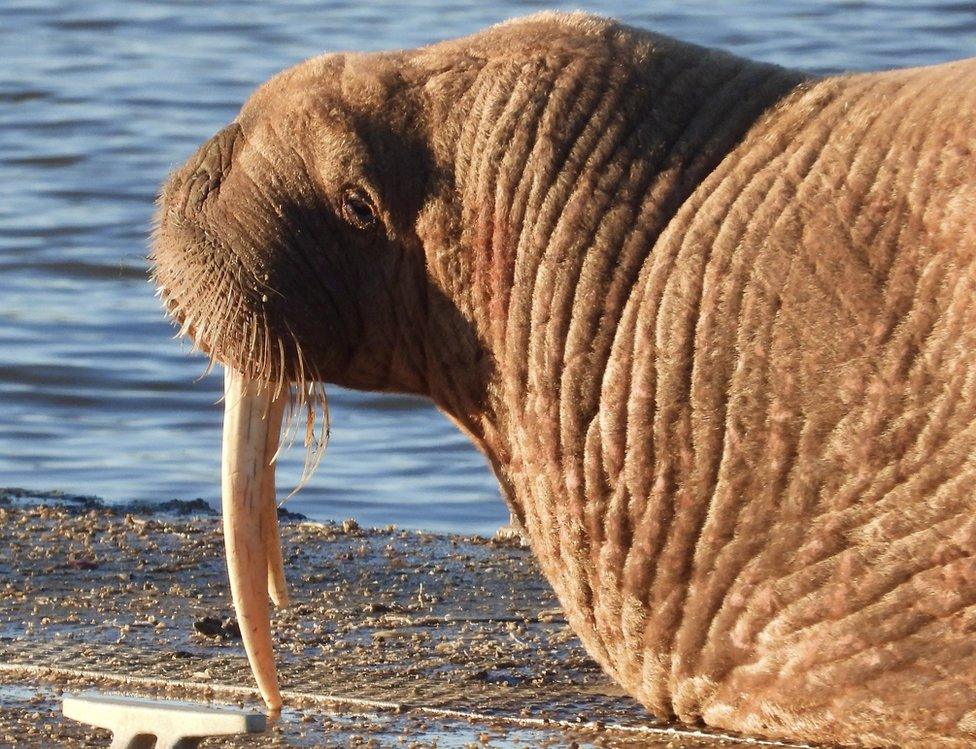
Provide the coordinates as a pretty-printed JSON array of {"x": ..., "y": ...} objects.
[{"x": 569, "y": 166}]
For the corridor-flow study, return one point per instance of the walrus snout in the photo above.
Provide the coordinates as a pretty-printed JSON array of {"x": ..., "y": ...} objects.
[{"x": 224, "y": 256}]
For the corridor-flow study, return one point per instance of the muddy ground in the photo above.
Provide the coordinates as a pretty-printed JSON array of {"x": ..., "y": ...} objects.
[{"x": 388, "y": 634}]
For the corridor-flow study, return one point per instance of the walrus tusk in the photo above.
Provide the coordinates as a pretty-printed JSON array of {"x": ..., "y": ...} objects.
[
  {"x": 252, "y": 426},
  {"x": 277, "y": 588}
]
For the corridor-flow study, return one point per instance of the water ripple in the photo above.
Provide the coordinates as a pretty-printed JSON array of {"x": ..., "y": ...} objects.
[{"x": 100, "y": 100}]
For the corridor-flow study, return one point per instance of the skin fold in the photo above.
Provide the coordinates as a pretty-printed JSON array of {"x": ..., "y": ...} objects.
[{"x": 712, "y": 322}]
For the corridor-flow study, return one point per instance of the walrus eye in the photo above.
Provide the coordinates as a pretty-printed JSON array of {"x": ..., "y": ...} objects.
[{"x": 357, "y": 208}]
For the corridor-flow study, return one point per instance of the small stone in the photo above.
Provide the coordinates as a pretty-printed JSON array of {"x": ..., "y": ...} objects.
[
  {"x": 209, "y": 626},
  {"x": 82, "y": 563},
  {"x": 231, "y": 629}
]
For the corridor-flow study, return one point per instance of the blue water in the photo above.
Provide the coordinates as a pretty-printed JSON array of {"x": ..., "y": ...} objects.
[{"x": 100, "y": 99}]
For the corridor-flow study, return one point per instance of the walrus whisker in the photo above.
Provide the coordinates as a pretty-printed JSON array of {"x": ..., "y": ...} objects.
[
  {"x": 281, "y": 368},
  {"x": 211, "y": 362},
  {"x": 267, "y": 350},
  {"x": 314, "y": 446}
]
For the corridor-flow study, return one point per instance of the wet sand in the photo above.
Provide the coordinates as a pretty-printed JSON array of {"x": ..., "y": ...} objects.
[{"x": 393, "y": 638}]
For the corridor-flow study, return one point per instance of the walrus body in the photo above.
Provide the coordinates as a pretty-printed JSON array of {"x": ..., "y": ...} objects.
[{"x": 712, "y": 322}]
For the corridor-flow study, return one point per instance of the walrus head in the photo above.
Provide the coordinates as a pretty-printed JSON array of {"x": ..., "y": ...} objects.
[{"x": 287, "y": 246}]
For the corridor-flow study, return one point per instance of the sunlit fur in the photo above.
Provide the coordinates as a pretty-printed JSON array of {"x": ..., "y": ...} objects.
[{"x": 712, "y": 323}]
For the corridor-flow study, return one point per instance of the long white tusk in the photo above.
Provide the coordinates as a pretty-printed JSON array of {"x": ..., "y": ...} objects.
[{"x": 252, "y": 427}]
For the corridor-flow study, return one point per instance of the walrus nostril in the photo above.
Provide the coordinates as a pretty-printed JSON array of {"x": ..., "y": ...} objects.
[{"x": 210, "y": 165}]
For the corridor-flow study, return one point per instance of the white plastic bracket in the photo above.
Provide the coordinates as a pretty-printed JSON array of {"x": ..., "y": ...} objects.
[{"x": 140, "y": 723}]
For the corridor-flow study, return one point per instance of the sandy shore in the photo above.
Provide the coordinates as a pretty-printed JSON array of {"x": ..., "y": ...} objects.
[{"x": 394, "y": 638}]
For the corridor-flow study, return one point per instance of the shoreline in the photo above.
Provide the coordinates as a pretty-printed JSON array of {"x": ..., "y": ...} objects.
[{"x": 393, "y": 636}]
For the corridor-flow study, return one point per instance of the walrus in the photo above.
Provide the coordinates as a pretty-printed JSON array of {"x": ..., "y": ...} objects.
[{"x": 711, "y": 321}]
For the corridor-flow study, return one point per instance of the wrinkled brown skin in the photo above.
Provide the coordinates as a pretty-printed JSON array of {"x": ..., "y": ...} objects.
[{"x": 712, "y": 322}]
